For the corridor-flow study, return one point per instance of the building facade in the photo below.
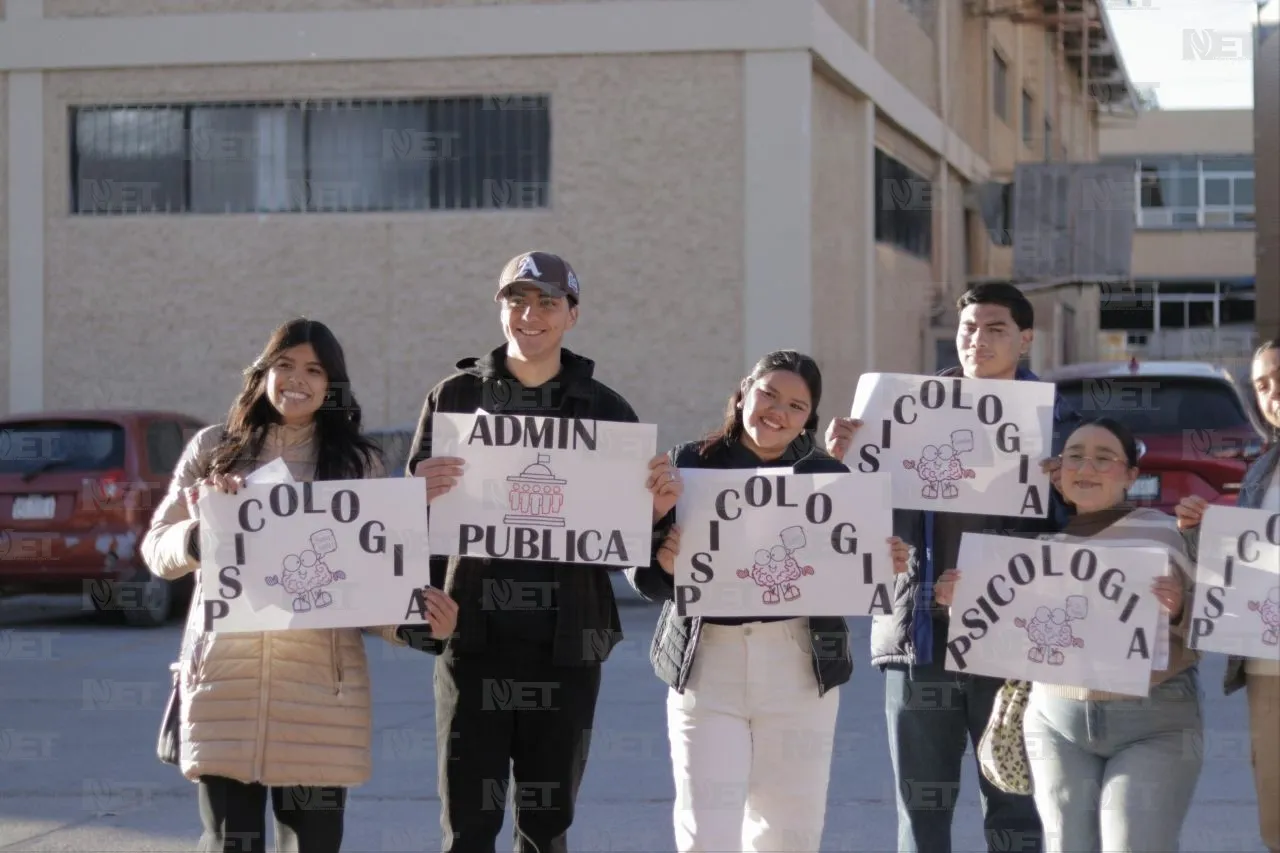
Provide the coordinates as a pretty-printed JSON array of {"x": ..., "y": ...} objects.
[
  {"x": 727, "y": 177},
  {"x": 1193, "y": 293}
]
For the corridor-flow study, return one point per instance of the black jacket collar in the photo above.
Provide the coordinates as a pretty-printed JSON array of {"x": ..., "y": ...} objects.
[{"x": 576, "y": 371}]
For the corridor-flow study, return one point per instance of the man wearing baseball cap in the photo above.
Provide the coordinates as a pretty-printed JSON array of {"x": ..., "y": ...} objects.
[{"x": 521, "y": 622}]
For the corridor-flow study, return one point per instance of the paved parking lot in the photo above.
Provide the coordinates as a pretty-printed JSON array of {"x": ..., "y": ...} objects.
[{"x": 80, "y": 701}]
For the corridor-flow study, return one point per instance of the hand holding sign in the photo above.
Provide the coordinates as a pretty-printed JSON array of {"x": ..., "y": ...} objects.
[
  {"x": 664, "y": 483},
  {"x": 442, "y": 473},
  {"x": 1190, "y": 512},
  {"x": 669, "y": 550},
  {"x": 1168, "y": 591},
  {"x": 839, "y": 436}
]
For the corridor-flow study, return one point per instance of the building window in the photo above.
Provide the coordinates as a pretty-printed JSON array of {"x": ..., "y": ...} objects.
[
  {"x": 1048, "y": 139},
  {"x": 1195, "y": 192},
  {"x": 904, "y": 207},
  {"x": 1028, "y": 126},
  {"x": 1000, "y": 86},
  {"x": 456, "y": 153}
]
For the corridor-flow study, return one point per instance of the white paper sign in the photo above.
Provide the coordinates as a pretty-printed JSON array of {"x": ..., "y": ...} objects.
[
  {"x": 330, "y": 554},
  {"x": 953, "y": 444},
  {"x": 1237, "y": 600},
  {"x": 1055, "y": 613},
  {"x": 765, "y": 542},
  {"x": 275, "y": 471},
  {"x": 559, "y": 490}
]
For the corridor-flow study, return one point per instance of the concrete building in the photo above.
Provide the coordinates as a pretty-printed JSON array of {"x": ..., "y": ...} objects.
[
  {"x": 727, "y": 176},
  {"x": 1193, "y": 294},
  {"x": 1266, "y": 108}
]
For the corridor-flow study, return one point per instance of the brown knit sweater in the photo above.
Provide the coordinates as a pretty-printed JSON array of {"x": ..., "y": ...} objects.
[{"x": 1124, "y": 526}]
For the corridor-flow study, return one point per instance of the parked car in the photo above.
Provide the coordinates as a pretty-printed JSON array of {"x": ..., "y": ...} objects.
[
  {"x": 77, "y": 491},
  {"x": 1195, "y": 428},
  {"x": 394, "y": 443}
]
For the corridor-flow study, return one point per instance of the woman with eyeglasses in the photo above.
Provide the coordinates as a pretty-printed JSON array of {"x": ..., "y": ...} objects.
[
  {"x": 1259, "y": 677},
  {"x": 1111, "y": 771}
]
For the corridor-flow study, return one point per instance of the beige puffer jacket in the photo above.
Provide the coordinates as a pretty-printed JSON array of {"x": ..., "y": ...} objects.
[{"x": 279, "y": 708}]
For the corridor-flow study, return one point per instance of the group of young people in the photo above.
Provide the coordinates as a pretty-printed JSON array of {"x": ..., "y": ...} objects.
[{"x": 285, "y": 717}]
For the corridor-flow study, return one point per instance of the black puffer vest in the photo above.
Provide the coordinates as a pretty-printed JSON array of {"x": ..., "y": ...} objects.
[{"x": 675, "y": 642}]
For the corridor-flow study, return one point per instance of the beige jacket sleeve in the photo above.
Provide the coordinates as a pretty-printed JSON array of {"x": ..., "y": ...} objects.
[
  {"x": 164, "y": 548},
  {"x": 377, "y": 471}
]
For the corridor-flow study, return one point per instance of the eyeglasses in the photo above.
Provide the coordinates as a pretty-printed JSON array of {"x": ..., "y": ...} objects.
[{"x": 1075, "y": 461}]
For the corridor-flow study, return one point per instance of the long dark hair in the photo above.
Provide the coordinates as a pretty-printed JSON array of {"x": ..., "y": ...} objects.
[
  {"x": 342, "y": 453},
  {"x": 1272, "y": 431},
  {"x": 800, "y": 364}
]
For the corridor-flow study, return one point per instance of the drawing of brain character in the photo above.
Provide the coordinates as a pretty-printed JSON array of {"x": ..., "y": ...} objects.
[
  {"x": 305, "y": 575},
  {"x": 1269, "y": 611},
  {"x": 1050, "y": 630},
  {"x": 776, "y": 569},
  {"x": 940, "y": 467}
]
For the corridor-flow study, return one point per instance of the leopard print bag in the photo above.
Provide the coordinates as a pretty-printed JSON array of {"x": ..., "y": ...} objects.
[{"x": 1002, "y": 751}]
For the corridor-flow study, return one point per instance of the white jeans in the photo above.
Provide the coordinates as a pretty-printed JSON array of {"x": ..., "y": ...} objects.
[{"x": 751, "y": 742}]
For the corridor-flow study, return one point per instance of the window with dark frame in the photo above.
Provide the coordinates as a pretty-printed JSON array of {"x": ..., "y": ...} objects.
[
  {"x": 1028, "y": 126},
  {"x": 999, "y": 85},
  {"x": 450, "y": 153},
  {"x": 904, "y": 207}
]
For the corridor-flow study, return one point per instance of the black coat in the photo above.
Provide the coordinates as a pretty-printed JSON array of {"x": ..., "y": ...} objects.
[
  {"x": 588, "y": 626},
  {"x": 675, "y": 642}
]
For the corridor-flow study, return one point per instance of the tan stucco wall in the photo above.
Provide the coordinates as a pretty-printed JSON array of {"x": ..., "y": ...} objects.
[
  {"x": 1180, "y": 132},
  {"x": 907, "y": 51},
  {"x": 1184, "y": 254},
  {"x": 4, "y": 241},
  {"x": 851, "y": 15},
  {"x": 904, "y": 287},
  {"x": 656, "y": 238},
  {"x": 839, "y": 214},
  {"x": 969, "y": 100}
]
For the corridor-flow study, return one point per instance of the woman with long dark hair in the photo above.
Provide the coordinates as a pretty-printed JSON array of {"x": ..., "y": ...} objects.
[
  {"x": 751, "y": 709},
  {"x": 283, "y": 716},
  {"x": 1259, "y": 677}
]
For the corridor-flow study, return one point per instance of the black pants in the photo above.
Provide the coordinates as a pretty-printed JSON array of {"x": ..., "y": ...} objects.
[
  {"x": 498, "y": 719},
  {"x": 932, "y": 714},
  {"x": 308, "y": 819}
]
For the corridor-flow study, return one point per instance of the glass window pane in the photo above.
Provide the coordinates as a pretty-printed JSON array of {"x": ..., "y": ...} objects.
[
  {"x": 129, "y": 160},
  {"x": 1227, "y": 164},
  {"x": 1200, "y": 314},
  {"x": 1235, "y": 309},
  {"x": 1173, "y": 315},
  {"x": 246, "y": 159},
  {"x": 1217, "y": 191},
  {"x": 1187, "y": 190},
  {"x": 1244, "y": 192},
  {"x": 499, "y": 152},
  {"x": 370, "y": 156}
]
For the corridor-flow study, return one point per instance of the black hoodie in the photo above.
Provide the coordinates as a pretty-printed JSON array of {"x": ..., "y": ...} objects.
[{"x": 541, "y": 610}]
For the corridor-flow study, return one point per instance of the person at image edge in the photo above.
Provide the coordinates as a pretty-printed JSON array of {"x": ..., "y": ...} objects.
[{"x": 278, "y": 716}]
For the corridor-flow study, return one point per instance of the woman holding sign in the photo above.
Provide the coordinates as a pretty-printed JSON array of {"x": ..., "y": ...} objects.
[
  {"x": 281, "y": 716},
  {"x": 1111, "y": 771},
  {"x": 752, "y": 704},
  {"x": 1260, "y": 678}
]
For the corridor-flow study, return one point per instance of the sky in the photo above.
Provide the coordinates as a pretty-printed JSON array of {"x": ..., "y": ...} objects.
[{"x": 1195, "y": 54}]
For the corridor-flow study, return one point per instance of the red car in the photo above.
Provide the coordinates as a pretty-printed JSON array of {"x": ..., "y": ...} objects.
[
  {"x": 77, "y": 490},
  {"x": 1197, "y": 433}
]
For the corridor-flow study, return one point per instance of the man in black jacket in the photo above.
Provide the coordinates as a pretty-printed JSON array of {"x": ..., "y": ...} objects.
[
  {"x": 516, "y": 684},
  {"x": 931, "y": 713}
]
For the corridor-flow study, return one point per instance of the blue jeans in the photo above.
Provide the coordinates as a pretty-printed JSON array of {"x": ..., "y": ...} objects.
[
  {"x": 1116, "y": 774},
  {"x": 931, "y": 715}
]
